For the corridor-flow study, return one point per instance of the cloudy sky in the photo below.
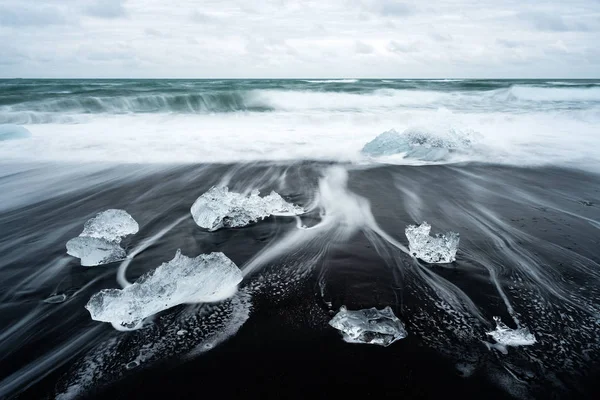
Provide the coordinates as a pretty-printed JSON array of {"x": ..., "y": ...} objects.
[{"x": 300, "y": 38}]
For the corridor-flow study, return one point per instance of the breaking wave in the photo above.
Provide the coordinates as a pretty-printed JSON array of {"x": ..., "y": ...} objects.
[
  {"x": 332, "y": 81},
  {"x": 148, "y": 103},
  {"x": 555, "y": 94}
]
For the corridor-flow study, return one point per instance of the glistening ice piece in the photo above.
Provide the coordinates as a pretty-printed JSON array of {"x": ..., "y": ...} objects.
[
  {"x": 99, "y": 243},
  {"x": 220, "y": 208},
  {"x": 440, "y": 249},
  {"x": 206, "y": 278},
  {"x": 511, "y": 337},
  {"x": 370, "y": 326}
]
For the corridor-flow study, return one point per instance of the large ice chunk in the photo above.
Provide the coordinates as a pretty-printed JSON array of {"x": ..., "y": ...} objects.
[
  {"x": 99, "y": 243},
  {"x": 439, "y": 249},
  {"x": 511, "y": 337},
  {"x": 206, "y": 278},
  {"x": 220, "y": 208},
  {"x": 420, "y": 143},
  {"x": 370, "y": 326},
  {"x": 12, "y": 132}
]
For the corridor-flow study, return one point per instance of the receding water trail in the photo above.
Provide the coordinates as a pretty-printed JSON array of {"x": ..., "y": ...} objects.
[{"x": 121, "y": 272}]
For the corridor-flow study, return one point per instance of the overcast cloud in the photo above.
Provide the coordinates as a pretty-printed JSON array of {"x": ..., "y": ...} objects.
[{"x": 294, "y": 38}]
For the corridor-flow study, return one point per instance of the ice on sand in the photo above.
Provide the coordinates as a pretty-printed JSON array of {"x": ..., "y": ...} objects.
[
  {"x": 370, "y": 326},
  {"x": 220, "y": 208},
  {"x": 511, "y": 337},
  {"x": 99, "y": 243},
  {"x": 111, "y": 225},
  {"x": 438, "y": 249},
  {"x": 206, "y": 278}
]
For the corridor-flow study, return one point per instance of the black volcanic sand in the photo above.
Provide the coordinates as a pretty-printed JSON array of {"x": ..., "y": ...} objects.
[{"x": 535, "y": 229}]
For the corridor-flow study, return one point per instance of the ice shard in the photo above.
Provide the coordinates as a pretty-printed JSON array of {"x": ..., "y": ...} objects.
[
  {"x": 220, "y": 208},
  {"x": 206, "y": 278},
  {"x": 370, "y": 326},
  {"x": 439, "y": 249},
  {"x": 111, "y": 225},
  {"x": 511, "y": 337},
  {"x": 99, "y": 243}
]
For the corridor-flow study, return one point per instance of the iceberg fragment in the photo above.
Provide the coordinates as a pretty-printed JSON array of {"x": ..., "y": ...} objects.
[
  {"x": 370, "y": 326},
  {"x": 12, "y": 132},
  {"x": 439, "y": 249},
  {"x": 511, "y": 337},
  {"x": 111, "y": 225},
  {"x": 99, "y": 243},
  {"x": 220, "y": 208},
  {"x": 94, "y": 251},
  {"x": 419, "y": 143},
  {"x": 206, "y": 278}
]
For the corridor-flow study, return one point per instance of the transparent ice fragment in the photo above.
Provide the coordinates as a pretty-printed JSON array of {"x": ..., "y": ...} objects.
[
  {"x": 12, "y": 132},
  {"x": 511, "y": 337},
  {"x": 206, "y": 278},
  {"x": 420, "y": 143},
  {"x": 370, "y": 326},
  {"x": 94, "y": 251},
  {"x": 111, "y": 225},
  {"x": 439, "y": 249},
  {"x": 99, "y": 243},
  {"x": 220, "y": 208}
]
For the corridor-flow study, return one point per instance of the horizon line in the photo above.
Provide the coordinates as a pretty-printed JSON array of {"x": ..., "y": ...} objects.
[{"x": 302, "y": 78}]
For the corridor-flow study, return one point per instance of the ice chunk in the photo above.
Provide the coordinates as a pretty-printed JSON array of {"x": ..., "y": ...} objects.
[
  {"x": 111, "y": 225},
  {"x": 439, "y": 249},
  {"x": 220, "y": 208},
  {"x": 206, "y": 278},
  {"x": 419, "y": 143},
  {"x": 99, "y": 243},
  {"x": 370, "y": 326},
  {"x": 511, "y": 337},
  {"x": 386, "y": 143},
  {"x": 93, "y": 251},
  {"x": 12, "y": 132}
]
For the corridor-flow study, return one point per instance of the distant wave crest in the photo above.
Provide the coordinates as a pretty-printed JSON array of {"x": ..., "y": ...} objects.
[
  {"x": 555, "y": 94},
  {"x": 148, "y": 103}
]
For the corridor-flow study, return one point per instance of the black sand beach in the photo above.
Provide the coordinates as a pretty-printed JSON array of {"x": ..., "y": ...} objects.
[{"x": 529, "y": 253}]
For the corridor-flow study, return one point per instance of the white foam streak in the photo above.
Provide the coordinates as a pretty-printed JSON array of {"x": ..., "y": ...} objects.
[{"x": 555, "y": 94}]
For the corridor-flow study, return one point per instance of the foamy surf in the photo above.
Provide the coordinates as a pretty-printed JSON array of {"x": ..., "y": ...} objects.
[{"x": 515, "y": 122}]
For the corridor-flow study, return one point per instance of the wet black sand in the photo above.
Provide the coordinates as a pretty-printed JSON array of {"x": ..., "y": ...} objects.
[{"x": 536, "y": 229}]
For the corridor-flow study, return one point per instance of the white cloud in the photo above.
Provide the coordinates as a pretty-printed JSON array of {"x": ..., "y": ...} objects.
[
  {"x": 363, "y": 48},
  {"x": 106, "y": 9},
  {"x": 30, "y": 15},
  {"x": 299, "y": 38}
]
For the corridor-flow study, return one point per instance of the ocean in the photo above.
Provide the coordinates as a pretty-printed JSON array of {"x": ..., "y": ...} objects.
[{"x": 512, "y": 166}]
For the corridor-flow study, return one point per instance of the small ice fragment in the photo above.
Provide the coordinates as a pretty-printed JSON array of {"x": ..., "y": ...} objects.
[
  {"x": 94, "y": 251},
  {"x": 181, "y": 332},
  {"x": 111, "y": 225},
  {"x": 511, "y": 337},
  {"x": 370, "y": 326},
  {"x": 220, "y": 208},
  {"x": 206, "y": 278},
  {"x": 439, "y": 249},
  {"x": 56, "y": 298},
  {"x": 99, "y": 243}
]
